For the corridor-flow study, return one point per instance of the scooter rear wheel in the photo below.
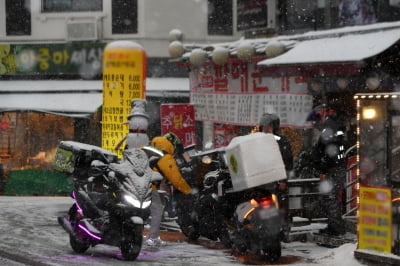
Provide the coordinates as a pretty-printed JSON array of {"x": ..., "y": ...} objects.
[
  {"x": 190, "y": 231},
  {"x": 274, "y": 252}
]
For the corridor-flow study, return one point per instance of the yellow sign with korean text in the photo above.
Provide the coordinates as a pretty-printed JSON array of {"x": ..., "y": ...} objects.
[
  {"x": 124, "y": 76},
  {"x": 375, "y": 219}
]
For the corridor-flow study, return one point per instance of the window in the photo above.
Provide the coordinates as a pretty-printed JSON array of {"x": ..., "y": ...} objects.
[
  {"x": 300, "y": 14},
  {"x": 387, "y": 11},
  {"x": 18, "y": 17},
  {"x": 252, "y": 15},
  {"x": 71, "y": 5},
  {"x": 220, "y": 17},
  {"x": 297, "y": 16},
  {"x": 124, "y": 16}
]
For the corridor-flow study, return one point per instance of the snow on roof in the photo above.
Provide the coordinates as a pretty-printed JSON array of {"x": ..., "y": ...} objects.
[
  {"x": 71, "y": 104},
  {"x": 318, "y": 46},
  {"x": 167, "y": 84},
  {"x": 50, "y": 85},
  {"x": 152, "y": 84},
  {"x": 341, "y": 49},
  {"x": 124, "y": 44},
  {"x": 71, "y": 97}
]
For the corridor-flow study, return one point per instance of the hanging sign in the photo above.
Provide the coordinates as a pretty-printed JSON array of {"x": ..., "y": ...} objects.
[
  {"x": 83, "y": 58},
  {"x": 124, "y": 75},
  {"x": 179, "y": 119},
  {"x": 238, "y": 94}
]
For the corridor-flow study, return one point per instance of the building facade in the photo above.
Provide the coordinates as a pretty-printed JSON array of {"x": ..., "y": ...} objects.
[
  {"x": 52, "y": 26},
  {"x": 94, "y": 23},
  {"x": 64, "y": 39},
  {"x": 308, "y": 53}
]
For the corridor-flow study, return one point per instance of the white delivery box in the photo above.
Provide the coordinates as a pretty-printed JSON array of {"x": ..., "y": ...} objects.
[{"x": 254, "y": 160}]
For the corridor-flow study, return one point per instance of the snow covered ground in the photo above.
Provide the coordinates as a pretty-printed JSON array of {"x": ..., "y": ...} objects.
[{"x": 30, "y": 235}]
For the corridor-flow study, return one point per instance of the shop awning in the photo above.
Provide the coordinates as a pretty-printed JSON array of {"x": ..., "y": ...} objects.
[
  {"x": 68, "y": 104},
  {"x": 76, "y": 98},
  {"x": 341, "y": 49}
]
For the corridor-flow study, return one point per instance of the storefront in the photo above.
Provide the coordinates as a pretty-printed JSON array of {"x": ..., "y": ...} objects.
[
  {"x": 38, "y": 114},
  {"x": 35, "y": 115},
  {"x": 340, "y": 63},
  {"x": 232, "y": 84},
  {"x": 378, "y": 172}
]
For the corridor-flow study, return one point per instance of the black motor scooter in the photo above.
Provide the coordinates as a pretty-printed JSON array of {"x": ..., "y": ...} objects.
[
  {"x": 112, "y": 198},
  {"x": 246, "y": 221}
]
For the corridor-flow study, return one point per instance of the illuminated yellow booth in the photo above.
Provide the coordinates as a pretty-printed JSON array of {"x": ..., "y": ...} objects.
[{"x": 378, "y": 172}]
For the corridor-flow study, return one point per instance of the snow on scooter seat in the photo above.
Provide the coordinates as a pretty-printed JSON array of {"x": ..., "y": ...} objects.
[{"x": 254, "y": 160}]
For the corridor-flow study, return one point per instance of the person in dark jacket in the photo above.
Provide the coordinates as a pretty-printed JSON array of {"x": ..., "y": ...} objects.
[
  {"x": 270, "y": 123},
  {"x": 328, "y": 157}
]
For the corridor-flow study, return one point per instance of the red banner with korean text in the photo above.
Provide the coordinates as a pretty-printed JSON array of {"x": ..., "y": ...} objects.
[{"x": 179, "y": 119}]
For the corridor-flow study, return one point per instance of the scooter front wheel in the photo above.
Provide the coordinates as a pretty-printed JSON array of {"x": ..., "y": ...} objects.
[
  {"x": 78, "y": 246},
  {"x": 131, "y": 243}
]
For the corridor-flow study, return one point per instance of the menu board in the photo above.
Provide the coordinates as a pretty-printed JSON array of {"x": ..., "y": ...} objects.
[
  {"x": 239, "y": 94},
  {"x": 246, "y": 109},
  {"x": 124, "y": 74},
  {"x": 375, "y": 219}
]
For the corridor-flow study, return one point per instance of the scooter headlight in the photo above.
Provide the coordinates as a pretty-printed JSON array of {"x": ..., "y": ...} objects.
[
  {"x": 206, "y": 159},
  {"x": 136, "y": 203},
  {"x": 146, "y": 204}
]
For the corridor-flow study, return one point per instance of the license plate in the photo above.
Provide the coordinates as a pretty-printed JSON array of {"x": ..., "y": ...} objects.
[{"x": 267, "y": 213}]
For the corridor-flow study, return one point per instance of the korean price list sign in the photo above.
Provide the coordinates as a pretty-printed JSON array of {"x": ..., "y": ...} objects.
[
  {"x": 124, "y": 75},
  {"x": 239, "y": 94},
  {"x": 375, "y": 219},
  {"x": 246, "y": 108}
]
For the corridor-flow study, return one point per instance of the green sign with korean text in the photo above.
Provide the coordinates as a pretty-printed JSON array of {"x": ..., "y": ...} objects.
[{"x": 83, "y": 58}]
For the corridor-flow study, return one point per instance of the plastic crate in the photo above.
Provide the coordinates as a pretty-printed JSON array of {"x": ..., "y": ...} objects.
[
  {"x": 75, "y": 157},
  {"x": 254, "y": 160}
]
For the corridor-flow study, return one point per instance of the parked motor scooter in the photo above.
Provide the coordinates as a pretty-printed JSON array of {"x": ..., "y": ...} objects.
[
  {"x": 246, "y": 221},
  {"x": 202, "y": 213},
  {"x": 112, "y": 198}
]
